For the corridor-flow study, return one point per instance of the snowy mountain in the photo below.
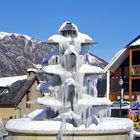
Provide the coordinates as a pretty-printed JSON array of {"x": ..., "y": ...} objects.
[
  {"x": 18, "y": 53},
  {"x": 94, "y": 60}
]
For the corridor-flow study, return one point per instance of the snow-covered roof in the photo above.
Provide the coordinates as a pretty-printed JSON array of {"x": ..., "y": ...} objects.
[
  {"x": 8, "y": 81},
  {"x": 3, "y": 34},
  {"x": 117, "y": 60},
  {"x": 135, "y": 43},
  {"x": 121, "y": 55}
]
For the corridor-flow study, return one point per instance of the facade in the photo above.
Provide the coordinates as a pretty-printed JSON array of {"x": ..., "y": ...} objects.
[
  {"x": 18, "y": 99},
  {"x": 126, "y": 66}
]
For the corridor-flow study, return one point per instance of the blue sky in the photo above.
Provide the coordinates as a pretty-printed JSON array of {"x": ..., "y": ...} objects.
[{"x": 111, "y": 23}]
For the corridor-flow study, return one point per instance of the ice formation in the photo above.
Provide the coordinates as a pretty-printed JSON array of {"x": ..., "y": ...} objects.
[
  {"x": 73, "y": 82},
  {"x": 70, "y": 92}
]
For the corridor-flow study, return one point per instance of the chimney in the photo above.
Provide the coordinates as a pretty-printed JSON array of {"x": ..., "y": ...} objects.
[{"x": 31, "y": 73}]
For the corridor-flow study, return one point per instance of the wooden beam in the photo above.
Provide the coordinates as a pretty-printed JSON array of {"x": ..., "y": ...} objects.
[
  {"x": 130, "y": 72},
  {"x": 135, "y": 49},
  {"x": 135, "y": 77}
]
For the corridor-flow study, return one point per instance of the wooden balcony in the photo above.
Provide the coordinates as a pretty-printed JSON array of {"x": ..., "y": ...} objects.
[
  {"x": 135, "y": 70},
  {"x": 115, "y": 96}
]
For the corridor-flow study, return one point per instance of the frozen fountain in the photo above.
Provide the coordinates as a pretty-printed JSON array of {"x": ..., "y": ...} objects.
[{"x": 73, "y": 108}]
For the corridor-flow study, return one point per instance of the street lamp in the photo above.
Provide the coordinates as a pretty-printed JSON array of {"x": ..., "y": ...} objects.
[{"x": 121, "y": 94}]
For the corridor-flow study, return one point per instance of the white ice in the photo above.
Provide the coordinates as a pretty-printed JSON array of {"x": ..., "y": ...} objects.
[
  {"x": 85, "y": 68},
  {"x": 55, "y": 69},
  {"x": 88, "y": 100},
  {"x": 27, "y": 125},
  {"x": 49, "y": 101}
]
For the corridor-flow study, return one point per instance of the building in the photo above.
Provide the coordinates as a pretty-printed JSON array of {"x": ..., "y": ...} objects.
[
  {"x": 125, "y": 65},
  {"x": 16, "y": 93}
]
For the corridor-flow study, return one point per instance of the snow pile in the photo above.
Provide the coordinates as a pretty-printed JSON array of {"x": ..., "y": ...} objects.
[
  {"x": 136, "y": 133},
  {"x": 70, "y": 115},
  {"x": 21, "y": 125},
  {"x": 83, "y": 38},
  {"x": 8, "y": 81},
  {"x": 85, "y": 68},
  {"x": 71, "y": 81},
  {"x": 34, "y": 113},
  {"x": 49, "y": 101},
  {"x": 26, "y": 125},
  {"x": 88, "y": 100},
  {"x": 113, "y": 124},
  {"x": 57, "y": 38},
  {"x": 55, "y": 69}
]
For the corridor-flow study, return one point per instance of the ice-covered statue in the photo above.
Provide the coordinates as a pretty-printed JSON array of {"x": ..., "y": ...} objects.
[{"x": 70, "y": 92}]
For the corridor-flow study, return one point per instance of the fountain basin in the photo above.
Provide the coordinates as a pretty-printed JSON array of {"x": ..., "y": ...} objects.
[{"x": 113, "y": 128}]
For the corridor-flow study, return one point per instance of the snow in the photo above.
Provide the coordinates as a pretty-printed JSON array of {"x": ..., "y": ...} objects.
[
  {"x": 92, "y": 59},
  {"x": 49, "y": 101},
  {"x": 32, "y": 70},
  {"x": 57, "y": 38},
  {"x": 8, "y": 81},
  {"x": 3, "y": 34},
  {"x": 85, "y": 68},
  {"x": 88, "y": 100},
  {"x": 136, "y": 133},
  {"x": 137, "y": 42},
  {"x": 70, "y": 114},
  {"x": 55, "y": 69},
  {"x": 83, "y": 38},
  {"x": 70, "y": 50},
  {"x": 71, "y": 81},
  {"x": 113, "y": 124},
  {"x": 117, "y": 59},
  {"x": 27, "y": 125},
  {"x": 64, "y": 24},
  {"x": 34, "y": 113},
  {"x": 37, "y": 66}
]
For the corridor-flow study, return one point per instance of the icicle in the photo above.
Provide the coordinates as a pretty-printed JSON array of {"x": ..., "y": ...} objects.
[{"x": 62, "y": 129}]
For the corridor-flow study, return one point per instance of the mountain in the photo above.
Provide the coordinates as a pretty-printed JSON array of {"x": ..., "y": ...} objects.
[
  {"x": 94, "y": 60},
  {"x": 18, "y": 53}
]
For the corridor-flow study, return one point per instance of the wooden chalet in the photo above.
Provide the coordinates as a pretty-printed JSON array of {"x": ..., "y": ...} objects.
[{"x": 126, "y": 66}]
